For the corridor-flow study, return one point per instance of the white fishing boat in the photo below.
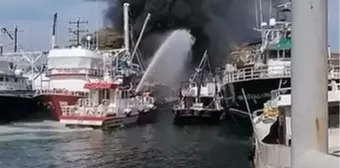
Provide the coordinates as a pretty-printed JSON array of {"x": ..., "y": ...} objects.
[
  {"x": 200, "y": 100},
  {"x": 272, "y": 128}
]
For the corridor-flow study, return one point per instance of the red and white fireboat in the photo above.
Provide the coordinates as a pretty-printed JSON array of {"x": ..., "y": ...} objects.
[{"x": 108, "y": 104}]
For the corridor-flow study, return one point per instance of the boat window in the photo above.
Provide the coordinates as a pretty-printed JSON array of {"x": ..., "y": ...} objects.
[
  {"x": 281, "y": 54},
  {"x": 188, "y": 101},
  {"x": 1, "y": 79},
  {"x": 287, "y": 54},
  {"x": 6, "y": 79},
  {"x": 124, "y": 94},
  {"x": 273, "y": 54},
  {"x": 107, "y": 93},
  {"x": 72, "y": 62},
  {"x": 329, "y": 88},
  {"x": 15, "y": 79}
]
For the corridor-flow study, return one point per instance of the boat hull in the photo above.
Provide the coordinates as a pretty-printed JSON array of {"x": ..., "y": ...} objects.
[
  {"x": 15, "y": 108},
  {"x": 98, "y": 122},
  {"x": 146, "y": 117},
  {"x": 257, "y": 92},
  {"x": 51, "y": 104},
  {"x": 189, "y": 116}
]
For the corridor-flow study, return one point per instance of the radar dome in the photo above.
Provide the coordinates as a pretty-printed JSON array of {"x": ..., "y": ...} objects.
[
  {"x": 18, "y": 72},
  {"x": 272, "y": 22}
]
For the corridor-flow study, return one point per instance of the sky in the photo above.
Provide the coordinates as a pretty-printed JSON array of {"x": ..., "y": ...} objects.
[{"x": 34, "y": 19}]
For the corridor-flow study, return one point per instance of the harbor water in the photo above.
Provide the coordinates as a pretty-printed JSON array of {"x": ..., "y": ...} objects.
[{"x": 158, "y": 145}]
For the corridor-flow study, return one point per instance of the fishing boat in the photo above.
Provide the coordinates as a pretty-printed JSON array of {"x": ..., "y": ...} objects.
[
  {"x": 263, "y": 66},
  {"x": 111, "y": 102},
  {"x": 107, "y": 106},
  {"x": 15, "y": 93},
  {"x": 200, "y": 100},
  {"x": 69, "y": 69},
  {"x": 272, "y": 128}
]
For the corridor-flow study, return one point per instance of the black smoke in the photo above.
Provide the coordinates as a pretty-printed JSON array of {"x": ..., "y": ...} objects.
[{"x": 217, "y": 25}]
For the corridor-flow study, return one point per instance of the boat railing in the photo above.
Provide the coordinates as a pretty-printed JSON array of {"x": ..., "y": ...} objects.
[
  {"x": 60, "y": 92},
  {"x": 87, "y": 107},
  {"x": 264, "y": 72},
  {"x": 257, "y": 113},
  {"x": 85, "y": 71},
  {"x": 267, "y": 72},
  {"x": 287, "y": 91},
  {"x": 276, "y": 93},
  {"x": 14, "y": 85}
]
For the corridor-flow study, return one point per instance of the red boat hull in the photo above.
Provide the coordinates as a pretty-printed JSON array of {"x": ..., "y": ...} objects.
[{"x": 53, "y": 103}]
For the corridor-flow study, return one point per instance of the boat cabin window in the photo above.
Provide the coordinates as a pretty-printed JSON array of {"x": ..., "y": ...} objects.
[
  {"x": 189, "y": 101},
  {"x": 15, "y": 79},
  {"x": 207, "y": 101},
  {"x": 104, "y": 94},
  {"x": 1, "y": 79},
  {"x": 6, "y": 79},
  {"x": 273, "y": 54},
  {"x": 276, "y": 54},
  {"x": 125, "y": 94}
]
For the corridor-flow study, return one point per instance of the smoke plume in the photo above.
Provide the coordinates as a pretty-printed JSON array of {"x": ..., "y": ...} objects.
[{"x": 217, "y": 25}]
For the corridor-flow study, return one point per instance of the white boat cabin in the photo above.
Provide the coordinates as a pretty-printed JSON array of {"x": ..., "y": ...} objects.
[
  {"x": 107, "y": 99},
  {"x": 206, "y": 90},
  {"x": 270, "y": 60},
  {"x": 208, "y": 93},
  {"x": 104, "y": 99},
  {"x": 273, "y": 127},
  {"x": 12, "y": 79},
  {"x": 70, "y": 68}
]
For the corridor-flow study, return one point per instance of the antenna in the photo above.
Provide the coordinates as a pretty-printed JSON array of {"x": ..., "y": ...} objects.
[
  {"x": 77, "y": 30},
  {"x": 10, "y": 35},
  {"x": 96, "y": 32}
]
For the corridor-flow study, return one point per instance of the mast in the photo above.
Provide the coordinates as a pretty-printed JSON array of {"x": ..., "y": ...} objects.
[
  {"x": 10, "y": 35},
  {"x": 126, "y": 27},
  {"x": 139, "y": 40},
  {"x": 53, "y": 30},
  {"x": 77, "y": 30},
  {"x": 199, "y": 72},
  {"x": 15, "y": 38}
]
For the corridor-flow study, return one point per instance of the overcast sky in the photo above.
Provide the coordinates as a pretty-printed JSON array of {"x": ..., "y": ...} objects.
[{"x": 34, "y": 18}]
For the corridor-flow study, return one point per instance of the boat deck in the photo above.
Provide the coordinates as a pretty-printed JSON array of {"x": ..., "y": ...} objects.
[{"x": 333, "y": 141}]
